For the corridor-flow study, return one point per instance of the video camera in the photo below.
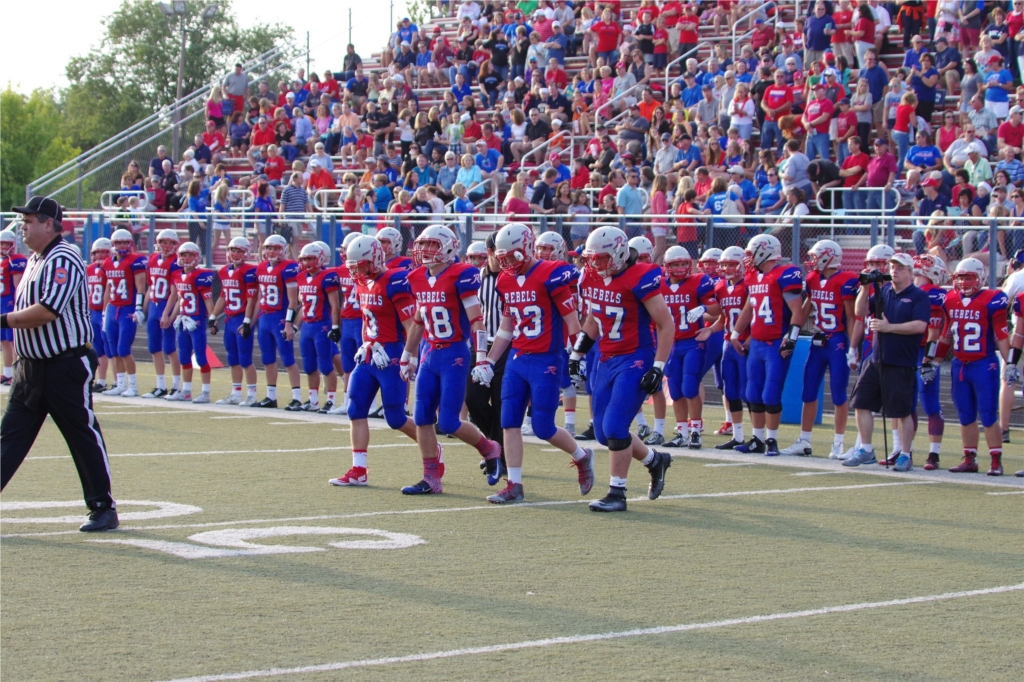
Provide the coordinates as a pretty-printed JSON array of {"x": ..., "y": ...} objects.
[{"x": 874, "y": 277}]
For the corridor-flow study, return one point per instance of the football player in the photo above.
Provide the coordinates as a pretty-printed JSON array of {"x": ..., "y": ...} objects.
[
  {"x": 830, "y": 294},
  {"x": 976, "y": 324},
  {"x": 645, "y": 254},
  {"x": 321, "y": 329},
  {"x": 774, "y": 313},
  {"x": 391, "y": 241},
  {"x": 447, "y": 317},
  {"x": 187, "y": 310},
  {"x": 123, "y": 311},
  {"x": 623, "y": 299},
  {"x": 12, "y": 267},
  {"x": 731, "y": 294},
  {"x": 689, "y": 295},
  {"x": 279, "y": 299},
  {"x": 351, "y": 321},
  {"x": 551, "y": 246},
  {"x": 239, "y": 296},
  {"x": 930, "y": 275},
  {"x": 540, "y": 307},
  {"x": 715, "y": 342},
  {"x": 96, "y": 280},
  {"x": 387, "y": 306},
  {"x": 476, "y": 255},
  {"x": 161, "y": 265}
]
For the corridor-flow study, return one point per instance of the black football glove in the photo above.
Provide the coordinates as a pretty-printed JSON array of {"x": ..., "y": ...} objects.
[
  {"x": 334, "y": 335},
  {"x": 212, "y": 327},
  {"x": 651, "y": 381},
  {"x": 245, "y": 330},
  {"x": 819, "y": 340},
  {"x": 787, "y": 347}
]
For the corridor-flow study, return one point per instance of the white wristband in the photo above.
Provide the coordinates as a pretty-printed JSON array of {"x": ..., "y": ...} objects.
[
  {"x": 246, "y": 320},
  {"x": 406, "y": 357},
  {"x": 735, "y": 336},
  {"x": 658, "y": 364},
  {"x": 503, "y": 334}
]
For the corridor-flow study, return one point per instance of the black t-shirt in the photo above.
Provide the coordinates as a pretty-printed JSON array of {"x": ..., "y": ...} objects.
[
  {"x": 537, "y": 131},
  {"x": 490, "y": 82},
  {"x": 518, "y": 52},
  {"x": 203, "y": 154},
  {"x": 499, "y": 51},
  {"x": 645, "y": 36},
  {"x": 384, "y": 119},
  {"x": 906, "y": 306},
  {"x": 823, "y": 172},
  {"x": 560, "y": 102},
  {"x": 543, "y": 195}
]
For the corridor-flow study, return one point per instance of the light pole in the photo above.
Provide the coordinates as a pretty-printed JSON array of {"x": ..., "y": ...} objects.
[{"x": 179, "y": 9}]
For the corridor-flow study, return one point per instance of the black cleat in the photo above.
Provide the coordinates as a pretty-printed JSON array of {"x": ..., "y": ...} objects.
[
  {"x": 266, "y": 402},
  {"x": 658, "y": 466},
  {"x": 644, "y": 432},
  {"x": 295, "y": 406},
  {"x": 695, "y": 441},
  {"x": 588, "y": 434},
  {"x": 377, "y": 414},
  {"x": 612, "y": 502},
  {"x": 771, "y": 447},
  {"x": 679, "y": 441},
  {"x": 326, "y": 407},
  {"x": 754, "y": 446},
  {"x": 98, "y": 387},
  {"x": 99, "y": 520},
  {"x": 729, "y": 445},
  {"x": 1006, "y": 436},
  {"x": 424, "y": 487}
]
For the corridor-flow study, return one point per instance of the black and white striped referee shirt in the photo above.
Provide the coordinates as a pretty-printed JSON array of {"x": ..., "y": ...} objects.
[
  {"x": 490, "y": 302},
  {"x": 56, "y": 279}
]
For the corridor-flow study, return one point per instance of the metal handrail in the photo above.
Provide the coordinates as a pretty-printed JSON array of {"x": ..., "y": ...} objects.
[
  {"x": 694, "y": 51},
  {"x": 546, "y": 143},
  {"x": 116, "y": 194},
  {"x": 834, "y": 191},
  {"x": 450, "y": 206},
  {"x": 774, "y": 21}
]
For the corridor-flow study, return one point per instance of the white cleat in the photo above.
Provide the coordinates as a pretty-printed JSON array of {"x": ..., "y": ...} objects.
[
  {"x": 179, "y": 397},
  {"x": 248, "y": 402},
  {"x": 116, "y": 390},
  {"x": 849, "y": 453},
  {"x": 231, "y": 400},
  {"x": 130, "y": 393},
  {"x": 201, "y": 399},
  {"x": 340, "y": 409},
  {"x": 800, "y": 448},
  {"x": 837, "y": 452}
]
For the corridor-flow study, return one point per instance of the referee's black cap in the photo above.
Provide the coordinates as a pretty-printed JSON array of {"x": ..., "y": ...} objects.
[{"x": 44, "y": 206}]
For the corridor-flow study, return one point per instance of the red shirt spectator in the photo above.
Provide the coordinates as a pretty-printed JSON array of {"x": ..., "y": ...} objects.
[
  {"x": 214, "y": 140},
  {"x": 607, "y": 35},
  {"x": 854, "y": 160},
  {"x": 688, "y": 25},
  {"x": 263, "y": 134},
  {"x": 558, "y": 77},
  {"x": 762, "y": 36},
  {"x": 776, "y": 97},
  {"x": 839, "y": 17},
  {"x": 815, "y": 109},
  {"x": 472, "y": 130},
  {"x": 904, "y": 115},
  {"x": 274, "y": 167},
  {"x": 542, "y": 25},
  {"x": 868, "y": 27},
  {"x": 672, "y": 11},
  {"x": 493, "y": 142},
  {"x": 319, "y": 178},
  {"x": 1012, "y": 135},
  {"x": 844, "y": 122},
  {"x": 331, "y": 87},
  {"x": 880, "y": 167},
  {"x": 581, "y": 178}
]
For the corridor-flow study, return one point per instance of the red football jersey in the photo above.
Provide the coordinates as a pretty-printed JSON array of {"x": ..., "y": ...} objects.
[
  {"x": 194, "y": 291},
  {"x": 439, "y": 300},
  {"x": 617, "y": 304},
  {"x": 347, "y": 294},
  {"x": 975, "y": 323},
  {"x": 9, "y": 267},
  {"x": 273, "y": 280},
  {"x": 536, "y": 302},
  {"x": 683, "y": 297},
  {"x": 96, "y": 280},
  {"x": 386, "y": 302},
  {"x": 237, "y": 286},
  {"x": 732, "y": 298},
  {"x": 771, "y": 314},
  {"x": 121, "y": 278},
  {"x": 401, "y": 263},
  {"x": 313, "y": 290},
  {"x": 159, "y": 271},
  {"x": 828, "y": 297}
]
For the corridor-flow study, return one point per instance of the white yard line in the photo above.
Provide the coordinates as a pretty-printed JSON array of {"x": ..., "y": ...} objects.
[
  {"x": 132, "y": 414},
  {"x": 489, "y": 507},
  {"x": 583, "y": 639},
  {"x": 1013, "y": 492},
  {"x": 816, "y": 473},
  {"x": 730, "y": 464}
]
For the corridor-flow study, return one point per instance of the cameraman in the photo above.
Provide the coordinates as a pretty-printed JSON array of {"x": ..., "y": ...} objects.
[{"x": 899, "y": 329}]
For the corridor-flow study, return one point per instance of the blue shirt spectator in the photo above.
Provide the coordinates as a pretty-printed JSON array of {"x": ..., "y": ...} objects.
[
  {"x": 488, "y": 162},
  {"x": 461, "y": 92},
  {"x": 1014, "y": 168},
  {"x": 878, "y": 79},
  {"x": 383, "y": 200},
  {"x": 927, "y": 156},
  {"x": 814, "y": 30}
]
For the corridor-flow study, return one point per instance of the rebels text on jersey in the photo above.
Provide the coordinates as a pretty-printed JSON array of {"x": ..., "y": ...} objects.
[
  {"x": 766, "y": 292},
  {"x": 313, "y": 290},
  {"x": 536, "y": 302},
  {"x": 975, "y": 323},
  {"x": 348, "y": 298},
  {"x": 617, "y": 305},
  {"x": 195, "y": 289},
  {"x": 937, "y": 296},
  {"x": 9, "y": 267},
  {"x": 121, "y": 278},
  {"x": 96, "y": 280},
  {"x": 732, "y": 298},
  {"x": 238, "y": 286},
  {"x": 439, "y": 300},
  {"x": 401, "y": 263},
  {"x": 386, "y": 302},
  {"x": 828, "y": 297},
  {"x": 697, "y": 289},
  {"x": 273, "y": 280},
  {"x": 159, "y": 271}
]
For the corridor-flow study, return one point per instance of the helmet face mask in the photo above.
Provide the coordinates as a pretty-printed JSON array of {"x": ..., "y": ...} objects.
[
  {"x": 708, "y": 267},
  {"x": 188, "y": 256},
  {"x": 823, "y": 255},
  {"x": 880, "y": 265},
  {"x": 760, "y": 250},
  {"x": 391, "y": 240},
  {"x": 365, "y": 259},
  {"x": 601, "y": 263},
  {"x": 969, "y": 277},
  {"x": 550, "y": 246},
  {"x": 679, "y": 268},
  {"x": 476, "y": 255},
  {"x": 606, "y": 252},
  {"x": 931, "y": 268},
  {"x": 430, "y": 251},
  {"x": 512, "y": 262},
  {"x": 7, "y": 245},
  {"x": 731, "y": 269},
  {"x": 272, "y": 252},
  {"x": 546, "y": 252},
  {"x": 100, "y": 255}
]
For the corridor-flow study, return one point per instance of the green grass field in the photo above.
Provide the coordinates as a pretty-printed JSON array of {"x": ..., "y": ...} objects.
[{"x": 745, "y": 569}]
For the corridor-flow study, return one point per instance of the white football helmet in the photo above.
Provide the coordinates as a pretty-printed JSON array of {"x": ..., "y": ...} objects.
[
  {"x": 513, "y": 247},
  {"x": 100, "y": 250},
  {"x": 823, "y": 255},
  {"x": 644, "y": 249},
  {"x": 438, "y": 245},
  {"x": 274, "y": 247},
  {"x": 8, "y": 242},
  {"x": 731, "y": 262},
  {"x": 349, "y": 238},
  {"x": 550, "y": 246},
  {"x": 167, "y": 241},
  {"x": 762, "y": 249},
  {"x": 877, "y": 257},
  {"x": 326, "y": 249},
  {"x": 476, "y": 254},
  {"x": 188, "y": 255},
  {"x": 606, "y": 251},
  {"x": 391, "y": 240},
  {"x": 708, "y": 263},
  {"x": 122, "y": 242},
  {"x": 969, "y": 277},
  {"x": 932, "y": 268},
  {"x": 238, "y": 250},
  {"x": 364, "y": 258},
  {"x": 678, "y": 263},
  {"x": 311, "y": 256}
]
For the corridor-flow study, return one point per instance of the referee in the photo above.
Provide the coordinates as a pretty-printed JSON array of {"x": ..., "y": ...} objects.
[
  {"x": 56, "y": 362},
  {"x": 484, "y": 402}
]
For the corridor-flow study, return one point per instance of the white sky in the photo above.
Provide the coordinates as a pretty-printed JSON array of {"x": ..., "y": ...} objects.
[{"x": 26, "y": 63}]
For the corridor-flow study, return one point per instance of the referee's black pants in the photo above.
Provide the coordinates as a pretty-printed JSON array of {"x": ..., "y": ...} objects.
[
  {"x": 484, "y": 402},
  {"x": 59, "y": 388}
]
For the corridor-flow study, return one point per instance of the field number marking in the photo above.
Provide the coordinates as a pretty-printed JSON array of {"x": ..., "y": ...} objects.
[{"x": 163, "y": 510}]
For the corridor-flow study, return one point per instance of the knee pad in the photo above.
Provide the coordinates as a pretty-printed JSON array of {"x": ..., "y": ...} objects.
[
  {"x": 569, "y": 392},
  {"x": 757, "y": 408},
  {"x": 988, "y": 418},
  {"x": 736, "y": 405},
  {"x": 618, "y": 444},
  {"x": 936, "y": 424},
  {"x": 186, "y": 365},
  {"x": 449, "y": 425},
  {"x": 544, "y": 431},
  {"x": 395, "y": 416},
  {"x": 204, "y": 368},
  {"x": 773, "y": 409}
]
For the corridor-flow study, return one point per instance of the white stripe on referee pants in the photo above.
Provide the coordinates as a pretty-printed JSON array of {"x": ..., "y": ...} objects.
[{"x": 86, "y": 396}]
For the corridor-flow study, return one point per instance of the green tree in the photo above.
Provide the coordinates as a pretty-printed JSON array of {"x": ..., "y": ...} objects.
[
  {"x": 33, "y": 141},
  {"x": 418, "y": 11},
  {"x": 134, "y": 70}
]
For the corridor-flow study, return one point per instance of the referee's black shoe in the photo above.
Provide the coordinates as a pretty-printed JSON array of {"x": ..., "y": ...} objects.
[{"x": 100, "y": 519}]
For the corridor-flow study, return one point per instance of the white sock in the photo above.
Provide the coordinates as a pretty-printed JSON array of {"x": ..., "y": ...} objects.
[
  {"x": 570, "y": 418},
  {"x": 737, "y": 432},
  {"x": 772, "y": 433},
  {"x": 696, "y": 425},
  {"x": 868, "y": 448},
  {"x": 515, "y": 474},
  {"x": 188, "y": 386},
  {"x": 897, "y": 442},
  {"x": 659, "y": 426},
  {"x": 579, "y": 454},
  {"x": 296, "y": 394},
  {"x": 206, "y": 389},
  {"x": 161, "y": 382},
  {"x": 272, "y": 392},
  {"x": 250, "y": 390},
  {"x": 933, "y": 448},
  {"x": 236, "y": 389},
  {"x": 759, "y": 433},
  {"x": 858, "y": 443},
  {"x": 359, "y": 458},
  {"x": 641, "y": 420},
  {"x": 330, "y": 396},
  {"x": 805, "y": 436},
  {"x": 839, "y": 439},
  {"x": 617, "y": 482},
  {"x": 314, "y": 398},
  {"x": 121, "y": 380},
  {"x": 133, "y": 381},
  {"x": 649, "y": 458},
  {"x": 176, "y": 382}
]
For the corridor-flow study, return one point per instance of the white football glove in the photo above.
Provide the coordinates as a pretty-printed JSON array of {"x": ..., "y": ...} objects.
[
  {"x": 483, "y": 373},
  {"x": 696, "y": 314},
  {"x": 188, "y": 324},
  {"x": 407, "y": 368},
  {"x": 1011, "y": 374},
  {"x": 379, "y": 356},
  {"x": 140, "y": 317},
  {"x": 852, "y": 358},
  {"x": 177, "y": 322},
  {"x": 360, "y": 357}
]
